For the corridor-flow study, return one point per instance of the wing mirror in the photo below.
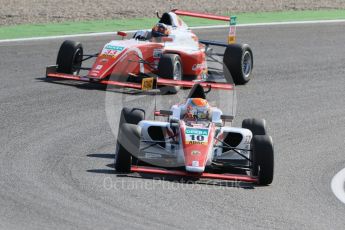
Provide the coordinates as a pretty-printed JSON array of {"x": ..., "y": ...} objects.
[
  {"x": 227, "y": 118},
  {"x": 166, "y": 112}
]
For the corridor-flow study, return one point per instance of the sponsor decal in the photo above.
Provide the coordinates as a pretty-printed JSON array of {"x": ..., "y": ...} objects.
[
  {"x": 200, "y": 66},
  {"x": 108, "y": 55},
  {"x": 99, "y": 67},
  {"x": 231, "y": 39},
  {"x": 232, "y": 31},
  {"x": 203, "y": 132},
  {"x": 232, "y": 35},
  {"x": 247, "y": 139},
  {"x": 195, "y": 163},
  {"x": 196, "y": 143},
  {"x": 195, "y": 152},
  {"x": 112, "y": 51},
  {"x": 152, "y": 155},
  {"x": 196, "y": 136},
  {"x": 117, "y": 48},
  {"x": 233, "y": 20},
  {"x": 147, "y": 83}
]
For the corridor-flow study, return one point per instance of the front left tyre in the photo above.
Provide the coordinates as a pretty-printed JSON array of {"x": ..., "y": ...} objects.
[
  {"x": 70, "y": 57},
  {"x": 262, "y": 157}
]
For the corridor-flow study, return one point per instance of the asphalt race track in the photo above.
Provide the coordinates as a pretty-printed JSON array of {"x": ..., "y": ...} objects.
[{"x": 57, "y": 147}]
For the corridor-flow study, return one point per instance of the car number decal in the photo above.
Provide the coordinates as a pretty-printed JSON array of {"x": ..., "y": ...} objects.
[
  {"x": 196, "y": 136},
  {"x": 112, "y": 51}
]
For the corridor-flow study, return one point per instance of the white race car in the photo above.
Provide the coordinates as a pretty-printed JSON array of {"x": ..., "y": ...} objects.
[{"x": 194, "y": 140}]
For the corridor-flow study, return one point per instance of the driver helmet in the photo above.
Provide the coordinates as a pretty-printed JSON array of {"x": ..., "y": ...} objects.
[
  {"x": 160, "y": 30},
  {"x": 197, "y": 108}
]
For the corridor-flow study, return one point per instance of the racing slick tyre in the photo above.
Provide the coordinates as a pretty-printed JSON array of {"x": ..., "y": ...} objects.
[
  {"x": 123, "y": 158},
  {"x": 70, "y": 57},
  {"x": 238, "y": 63},
  {"x": 131, "y": 116},
  {"x": 127, "y": 145},
  {"x": 257, "y": 126},
  {"x": 263, "y": 158},
  {"x": 170, "y": 67}
]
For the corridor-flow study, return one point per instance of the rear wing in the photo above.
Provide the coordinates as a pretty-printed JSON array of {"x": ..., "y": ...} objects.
[{"x": 232, "y": 21}]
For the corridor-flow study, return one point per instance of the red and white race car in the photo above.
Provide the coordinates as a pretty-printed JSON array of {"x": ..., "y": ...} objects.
[
  {"x": 192, "y": 140},
  {"x": 169, "y": 52}
]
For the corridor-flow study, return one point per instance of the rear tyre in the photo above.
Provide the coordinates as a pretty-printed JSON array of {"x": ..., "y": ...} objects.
[
  {"x": 70, "y": 57},
  {"x": 170, "y": 67},
  {"x": 238, "y": 63},
  {"x": 263, "y": 159},
  {"x": 257, "y": 126},
  {"x": 123, "y": 157}
]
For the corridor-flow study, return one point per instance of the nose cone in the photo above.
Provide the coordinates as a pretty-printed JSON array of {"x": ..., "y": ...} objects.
[
  {"x": 107, "y": 59},
  {"x": 197, "y": 142}
]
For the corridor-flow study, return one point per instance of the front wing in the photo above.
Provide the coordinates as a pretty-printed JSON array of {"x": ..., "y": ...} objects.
[
  {"x": 51, "y": 73},
  {"x": 233, "y": 177}
]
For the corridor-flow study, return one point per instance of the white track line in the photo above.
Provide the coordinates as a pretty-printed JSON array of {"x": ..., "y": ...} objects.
[
  {"x": 196, "y": 27},
  {"x": 338, "y": 185}
]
